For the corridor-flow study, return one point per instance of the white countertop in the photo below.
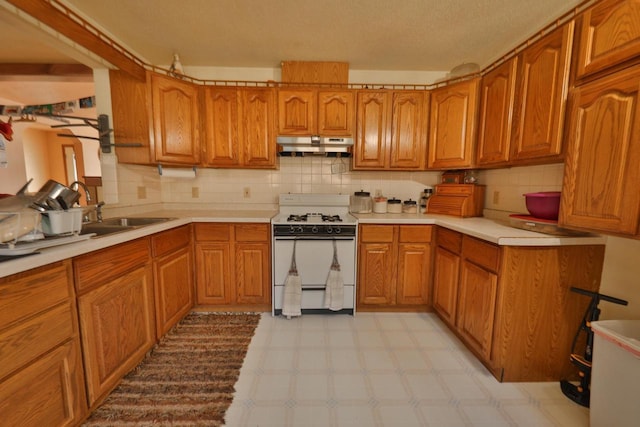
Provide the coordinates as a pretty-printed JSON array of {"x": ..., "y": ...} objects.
[
  {"x": 491, "y": 230},
  {"x": 487, "y": 229}
]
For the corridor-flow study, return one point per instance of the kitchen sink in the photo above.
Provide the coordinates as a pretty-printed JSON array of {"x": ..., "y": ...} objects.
[{"x": 118, "y": 225}]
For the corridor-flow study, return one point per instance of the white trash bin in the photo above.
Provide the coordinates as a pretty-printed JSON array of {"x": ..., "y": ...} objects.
[{"x": 615, "y": 380}]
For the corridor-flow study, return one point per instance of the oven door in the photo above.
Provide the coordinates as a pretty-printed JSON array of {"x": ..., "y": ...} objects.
[{"x": 314, "y": 256}]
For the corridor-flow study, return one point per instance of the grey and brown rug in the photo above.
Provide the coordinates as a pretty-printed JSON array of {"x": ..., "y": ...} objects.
[{"x": 187, "y": 379}]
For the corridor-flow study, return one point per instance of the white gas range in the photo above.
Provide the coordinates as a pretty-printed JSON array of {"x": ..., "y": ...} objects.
[{"x": 314, "y": 222}]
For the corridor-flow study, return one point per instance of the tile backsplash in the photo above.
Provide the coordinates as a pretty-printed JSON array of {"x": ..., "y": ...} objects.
[{"x": 259, "y": 189}]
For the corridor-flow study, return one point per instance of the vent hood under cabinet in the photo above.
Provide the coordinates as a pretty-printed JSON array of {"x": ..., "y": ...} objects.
[{"x": 314, "y": 145}]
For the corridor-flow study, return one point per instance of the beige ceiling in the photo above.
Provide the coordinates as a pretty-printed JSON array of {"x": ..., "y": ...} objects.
[{"x": 425, "y": 35}]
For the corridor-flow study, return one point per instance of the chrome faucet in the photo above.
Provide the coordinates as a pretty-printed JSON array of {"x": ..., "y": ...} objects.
[
  {"x": 87, "y": 194},
  {"x": 99, "y": 206}
]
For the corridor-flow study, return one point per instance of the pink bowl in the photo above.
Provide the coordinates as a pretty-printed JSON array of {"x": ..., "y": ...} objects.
[{"x": 544, "y": 204}]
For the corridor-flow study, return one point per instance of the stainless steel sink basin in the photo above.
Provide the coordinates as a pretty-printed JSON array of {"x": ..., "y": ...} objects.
[
  {"x": 118, "y": 225},
  {"x": 133, "y": 221}
]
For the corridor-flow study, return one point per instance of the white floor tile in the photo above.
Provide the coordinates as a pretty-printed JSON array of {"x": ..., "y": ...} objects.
[{"x": 381, "y": 369}]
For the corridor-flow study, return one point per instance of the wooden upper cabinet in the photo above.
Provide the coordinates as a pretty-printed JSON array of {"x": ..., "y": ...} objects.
[
  {"x": 372, "y": 130},
  {"x": 297, "y": 111},
  {"x": 176, "y": 120},
  {"x": 131, "y": 110},
  {"x": 609, "y": 35},
  {"x": 543, "y": 80},
  {"x": 239, "y": 124},
  {"x": 315, "y": 112},
  {"x": 336, "y": 112},
  {"x": 497, "y": 93},
  {"x": 452, "y": 126},
  {"x": 409, "y": 117},
  {"x": 601, "y": 178},
  {"x": 221, "y": 125},
  {"x": 257, "y": 126},
  {"x": 391, "y": 130}
]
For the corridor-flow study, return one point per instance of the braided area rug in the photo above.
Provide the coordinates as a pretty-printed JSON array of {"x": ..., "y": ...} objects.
[{"x": 188, "y": 377}]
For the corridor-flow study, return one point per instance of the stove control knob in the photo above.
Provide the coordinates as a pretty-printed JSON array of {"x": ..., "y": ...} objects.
[
  {"x": 338, "y": 230},
  {"x": 292, "y": 229},
  {"x": 300, "y": 229},
  {"x": 329, "y": 230},
  {"x": 314, "y": 229}
]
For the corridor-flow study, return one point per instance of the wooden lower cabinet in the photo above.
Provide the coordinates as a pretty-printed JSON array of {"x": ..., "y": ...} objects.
[
  {"x": 511, "y": 305},
  {"x": 173, "y": 276},
  {"x": 41, "y": 376},
  {"x": 116, "y": 311},
  {"x": 233, "y": 268},
  {"x": 446, "y": 272},
  {"x": 394, "y": 267}
]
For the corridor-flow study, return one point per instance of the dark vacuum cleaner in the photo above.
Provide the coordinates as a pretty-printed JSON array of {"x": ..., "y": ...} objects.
[{"x": 580, "y": 393}]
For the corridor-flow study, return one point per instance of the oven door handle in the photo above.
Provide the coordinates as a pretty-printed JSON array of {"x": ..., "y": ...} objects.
[{"x": 347, "y": 238}]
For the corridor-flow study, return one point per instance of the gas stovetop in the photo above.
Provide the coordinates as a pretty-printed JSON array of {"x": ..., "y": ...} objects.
[
  {"x": 314, "y": 215},
  {"x": 313, "y": 209}
]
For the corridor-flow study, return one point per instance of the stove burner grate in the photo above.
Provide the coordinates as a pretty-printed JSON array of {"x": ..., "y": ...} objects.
[{"x": 312, "y": 217}]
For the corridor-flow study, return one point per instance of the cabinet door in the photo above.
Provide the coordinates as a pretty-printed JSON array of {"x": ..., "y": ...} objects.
[
  {"x": 376, "y": 273},
  {"x": 176, "y": 121},
  {"x": 336, "y": 112},
  {"x": 257, "y": 126},
  {"x": 476, "y": 307},
  {"x": 173, "y": 286},
  {"x": 601, "y": 178},
  {"x": 609, "y": 35},
  {"x": 48, "y": 392},
  {"x": 118, "y": 328},
  {"x": 372, "y": 130},
  {"x": 408, "y": 130},
  {"x": 253, "y": 273},
  {"x": 131, "y": 117},
  {"x": 297, "y": 112},
  {"x": 543, "y": 80},
  {"x": 213, "y": 274},
  {"x": 414, "y": 272},
  {"x": 445, "y": 284},
  {"x": 221, "y": 119},
  {"x": 497, "y": 98},
  {"x": 453, "y": 125}
]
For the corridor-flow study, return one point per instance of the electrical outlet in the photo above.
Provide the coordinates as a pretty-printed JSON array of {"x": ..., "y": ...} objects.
[
  {"x": 142, "y": 192},
  {"x": 247, "y": 192},
  {"x": 195, "y": 192},
  {"x": 496, "y": 197}
]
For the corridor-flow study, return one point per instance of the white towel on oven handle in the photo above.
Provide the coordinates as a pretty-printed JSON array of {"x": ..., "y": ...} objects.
[
  {"x": 291, "y": 306},
  {"x": 334, "y": 291}
]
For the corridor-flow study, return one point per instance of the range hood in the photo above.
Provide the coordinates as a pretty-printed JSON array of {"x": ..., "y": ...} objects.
[{"x": 314, "y": 145}]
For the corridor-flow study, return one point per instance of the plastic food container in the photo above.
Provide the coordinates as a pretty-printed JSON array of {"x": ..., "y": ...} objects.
[
  {"x": 615, "y": 373},
  {"x": 394, "y": 206},
  {"x": 62, "y": 222},
  {"x": 544, "y": 204}
]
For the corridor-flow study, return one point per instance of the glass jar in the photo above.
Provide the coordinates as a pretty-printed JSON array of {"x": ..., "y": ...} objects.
[
  {"x": 410, "y": 206},
  {"x": 394, "y": 206},
  {"x": 424, "y": 197}
]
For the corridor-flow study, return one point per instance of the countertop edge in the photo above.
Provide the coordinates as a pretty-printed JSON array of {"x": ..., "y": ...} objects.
[{"x": 483, "y": 228}]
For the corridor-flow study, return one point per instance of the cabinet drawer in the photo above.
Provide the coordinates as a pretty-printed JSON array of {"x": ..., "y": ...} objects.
[
  {"x": 252, "y": 232},
  {"x": 212, "y": 232},
  {"x": 451, "y": 240},
  {"x": 415, "y": 233},
  {"x": 28, "y": 340},
  {"x": 25, "y": 294},
  {"x": 376, "y": 233},
  {"x": 481, "y": 253},
  {"x": 99, "y": 267},
  {"x": 170, "y": 240}
]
